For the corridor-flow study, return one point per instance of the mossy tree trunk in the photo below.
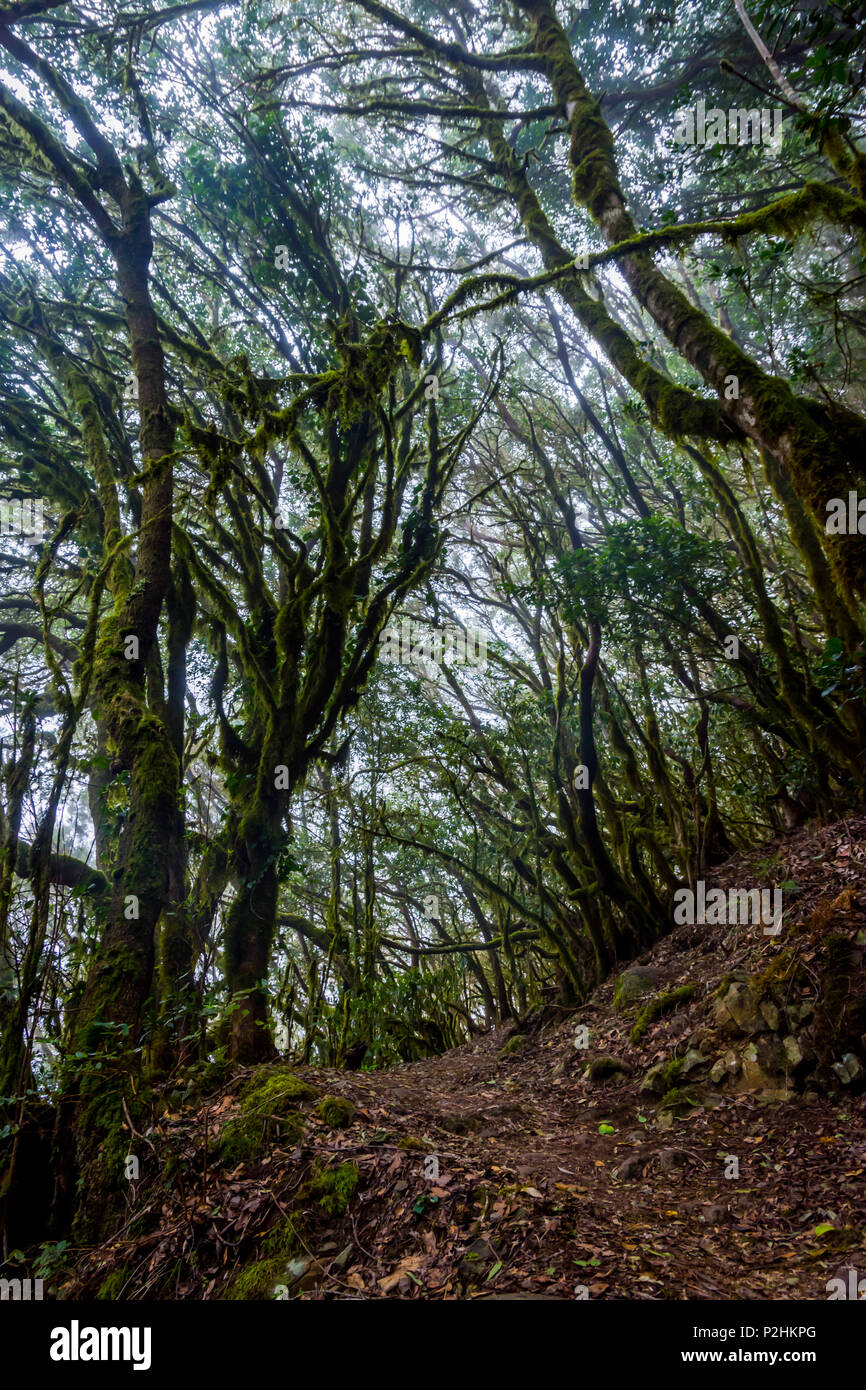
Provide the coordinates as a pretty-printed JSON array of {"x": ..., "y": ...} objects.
[{"x": 113, "y": 666}]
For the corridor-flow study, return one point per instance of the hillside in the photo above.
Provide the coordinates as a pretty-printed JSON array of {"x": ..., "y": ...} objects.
[{"x": 558, "y": 1166}]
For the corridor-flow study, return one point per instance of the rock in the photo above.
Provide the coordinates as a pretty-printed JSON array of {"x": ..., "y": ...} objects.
[
  {"x": 668, "y": 1159},
  {"x": 738, "y": 1012},
  {"x": 665, "y": 1119},
  {"x": 303, "y": 1272},
  {"x": 849, "y": 1069},
  {"x": 635, "y": 983},
  {"x": 770, "y": 1014},
  {"x": 655, "y": 1081},
  {"x": 754, "y": 1078},
  {"x": 692, "y": 1059},
  {"x": 796, "y": 1014},
  {"x": 765, "y": 1062},
  {"x": 798, "y": 1053},
  {"x": 727, "y": 1065},
  {"x": 335, "y": 1111},
  {"x": 772, "y": 1056}
]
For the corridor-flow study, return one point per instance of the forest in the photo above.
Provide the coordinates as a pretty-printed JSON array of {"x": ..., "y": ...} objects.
[{"x": 433, "y": 696}]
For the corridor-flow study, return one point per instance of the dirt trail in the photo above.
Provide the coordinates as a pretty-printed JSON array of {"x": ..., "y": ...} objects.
[{"x": 485, "y": 1173}]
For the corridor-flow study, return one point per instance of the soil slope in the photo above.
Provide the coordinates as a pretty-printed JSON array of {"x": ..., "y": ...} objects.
[{"x": 716, "y": 1150}]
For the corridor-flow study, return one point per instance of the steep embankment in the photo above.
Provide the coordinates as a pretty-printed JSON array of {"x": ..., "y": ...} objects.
[{"x": 709, "y": 1142}]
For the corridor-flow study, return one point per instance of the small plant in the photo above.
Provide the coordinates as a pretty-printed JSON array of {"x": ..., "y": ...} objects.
[{"x": 50, "y": 1258}]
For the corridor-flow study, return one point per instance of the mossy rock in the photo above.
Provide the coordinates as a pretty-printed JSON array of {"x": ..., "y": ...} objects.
[
  {"x": 245, "y": 1138},
  {"x": 270, "y": 1088},
  {"x": 336, "y": 1111},
  {"x": 662, "y": 1004},
  {"x": 268, "y": 1113},
  {"x": 738, "y": 1011},
  {"x": 663, "y": 1076},
  {"x": 603, "y": 1068},
  {"x": 334, "y": 1188},
  {"x": 516, "y": 1043},
  {"x": 634, "y": 984}
]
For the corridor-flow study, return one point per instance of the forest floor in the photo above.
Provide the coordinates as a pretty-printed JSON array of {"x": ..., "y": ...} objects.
[{"x": 549, "y": 1184}]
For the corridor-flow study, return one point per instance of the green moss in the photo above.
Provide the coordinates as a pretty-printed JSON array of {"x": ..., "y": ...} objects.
[
  {"x": 336, "y": 1111},
  {"x": 282, "y": 1239},
  {"x": 602, "y": 1067},
  {"x": 412, "y": 1143},
  {"x": 515, "y": 1044},
  {"x": 268, "y": 1113},
  {"x": 257, "y": 1281},
  {"x": 334, "y": 1188},
  {"x": 788, "y": 216},
  {"x": 271, "y": 1088},
  {"x": 112, "y": 1286},
  {"x": 676, "y": 1099},
  {"x": 245, "y": 1137},
  {"x": 783, "y": 974},
  {"x": 662, "y": 1004},
  {"x": 669, "y": 1075}
]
